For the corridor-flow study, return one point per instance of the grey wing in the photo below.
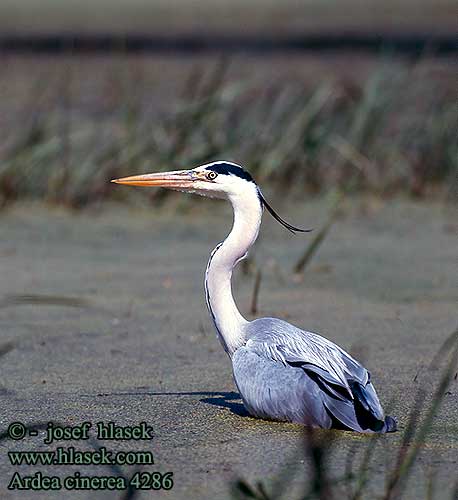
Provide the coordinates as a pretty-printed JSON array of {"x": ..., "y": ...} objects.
[
  {"x": 334, "y": 382},
  {"x": 272, "y": 391}
]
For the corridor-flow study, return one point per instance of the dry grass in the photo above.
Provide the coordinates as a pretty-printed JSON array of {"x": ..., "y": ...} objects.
[{"x": 395, "y": 128}]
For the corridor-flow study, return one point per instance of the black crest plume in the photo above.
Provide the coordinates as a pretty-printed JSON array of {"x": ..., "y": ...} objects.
[{"x": 274, "y": 214}]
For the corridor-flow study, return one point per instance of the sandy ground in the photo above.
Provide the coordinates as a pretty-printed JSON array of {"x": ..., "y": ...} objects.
[{"x": 134, "y": 342}]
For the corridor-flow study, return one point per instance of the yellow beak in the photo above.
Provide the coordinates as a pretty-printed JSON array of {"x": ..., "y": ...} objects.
[{"x": 179, "y": 179}]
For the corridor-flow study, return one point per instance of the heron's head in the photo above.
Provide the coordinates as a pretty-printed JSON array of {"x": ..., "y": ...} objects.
[{"x": 219, "y": 179}]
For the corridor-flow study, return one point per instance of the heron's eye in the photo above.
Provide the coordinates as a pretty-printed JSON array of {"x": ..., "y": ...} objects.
[{"x": 211, "y": 175}]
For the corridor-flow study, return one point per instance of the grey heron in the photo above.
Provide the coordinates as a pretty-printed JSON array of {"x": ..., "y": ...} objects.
[{"x": 282, "y": 372}]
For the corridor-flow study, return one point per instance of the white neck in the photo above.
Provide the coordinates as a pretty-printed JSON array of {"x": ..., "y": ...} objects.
[{"x": 227, "y": 318}]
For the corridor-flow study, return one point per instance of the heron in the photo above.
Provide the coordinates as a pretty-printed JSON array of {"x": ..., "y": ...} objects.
[{"x": 282, "y": 372}]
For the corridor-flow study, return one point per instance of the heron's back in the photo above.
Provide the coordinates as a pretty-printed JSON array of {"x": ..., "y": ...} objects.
[{"x": 284, "y": 373}]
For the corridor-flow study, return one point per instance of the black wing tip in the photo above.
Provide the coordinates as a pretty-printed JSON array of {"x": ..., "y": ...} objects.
[
  {"x": 287, "y": 225},
  {"x": 391, "y": 424},
  {"x": 365, "y": 415}
]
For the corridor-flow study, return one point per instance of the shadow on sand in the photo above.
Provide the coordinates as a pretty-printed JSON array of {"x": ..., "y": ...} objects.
[{"x": 230, "y": 400}]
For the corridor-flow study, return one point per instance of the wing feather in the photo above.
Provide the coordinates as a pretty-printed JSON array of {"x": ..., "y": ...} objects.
[{"x": 287, "y": 344}]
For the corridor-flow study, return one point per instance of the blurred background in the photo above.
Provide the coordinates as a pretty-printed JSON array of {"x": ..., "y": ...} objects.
[
  {"x": 345, "y": 113},
  {"x": 309, "y": 95}
]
